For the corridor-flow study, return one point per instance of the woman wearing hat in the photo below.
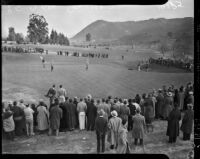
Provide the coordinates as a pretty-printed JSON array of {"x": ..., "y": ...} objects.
[
  {"x": 114, "y": 125},
  {"x": 173, "y": 124},
  {"x": 168, "y": 104},
  {"x": 187, "y": 122}
]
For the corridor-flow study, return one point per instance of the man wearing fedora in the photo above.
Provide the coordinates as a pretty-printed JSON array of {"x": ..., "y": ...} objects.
[
  {"x": 101, "y": 129},
  {"x": 168, "y": 105},
  {"x": 187, "y": 122},
  {"x": 173, "y": 124}
]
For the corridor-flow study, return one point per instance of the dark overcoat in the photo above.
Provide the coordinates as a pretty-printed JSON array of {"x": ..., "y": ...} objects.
[
  {"x": 173, "y": 123},
  {"x": 187, "y": 122},
  {"x": 71, "y": 115}
]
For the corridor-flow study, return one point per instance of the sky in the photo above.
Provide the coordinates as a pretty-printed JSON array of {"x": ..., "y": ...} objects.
[{"x": 71, "y": 19}]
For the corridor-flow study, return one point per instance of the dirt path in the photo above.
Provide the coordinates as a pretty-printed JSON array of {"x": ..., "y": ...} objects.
[{"x": 85, "y": 143}]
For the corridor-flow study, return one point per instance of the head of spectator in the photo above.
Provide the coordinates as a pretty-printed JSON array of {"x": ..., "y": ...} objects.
[
  {"x": 15, "y": 103},
  {"x": 66, "y": 99},
  {"x": 138, "y": 110},
  {"x": 144, "y": 95},
  {"x": 98, "y": 101},
  {"x": 159, "y": 90},
  {"x": 101, "y": 112},
  {"x": 103, "y": 100},
  {"x": 129, "y": 101},
  {"x": 120, "y": 100},
  {"x": 70, "y": 100},
  {"x": 114, "y": 113},
  {"x": 60, "y": 86},
  {"x": 109, "y": 97},
  {"x": 81, "y": 99},
  {"x": 54, "y": 86},
  {"x": 181, "y": 89},
  {"x": 27, "y": 105},
  {"x": 169, "y": 94},
  {"x": 107, "y": 101},
  {"x": 56, "y": 101},
  {"x": 33, "y": 106},
  {"x": 92, "y": 101},
  {"x": 21, "y": 101},
  {"x": 89, "y": 96},
  {"x": 125, "y": 102}
]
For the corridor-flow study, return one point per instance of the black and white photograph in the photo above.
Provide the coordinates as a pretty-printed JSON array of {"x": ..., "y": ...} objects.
[{"x": 98, "y": 79}]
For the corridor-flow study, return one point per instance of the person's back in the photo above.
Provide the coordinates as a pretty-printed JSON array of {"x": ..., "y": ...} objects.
[
  {"x": 114, "y": 123},
  {"x": 138, "y": 122},
  {"x": 100, "y": 124},
  {"x": 81, "y": 107},
  {"x": 132, "y": 108},
  {"x": 28, "y": 112}
]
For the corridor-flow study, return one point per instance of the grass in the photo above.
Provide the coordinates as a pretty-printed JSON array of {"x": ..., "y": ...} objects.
[{"x": 24, "y": 77}]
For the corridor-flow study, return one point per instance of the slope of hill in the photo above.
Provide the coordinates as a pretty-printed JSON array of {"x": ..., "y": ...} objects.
[{"x": 153, "y": 29}]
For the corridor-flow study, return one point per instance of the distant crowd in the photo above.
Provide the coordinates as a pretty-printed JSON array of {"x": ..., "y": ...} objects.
[
  {"x": 78, "y": 54},
  {"x": 111, "y": 118},
  {"x": 183, "y": 64}
]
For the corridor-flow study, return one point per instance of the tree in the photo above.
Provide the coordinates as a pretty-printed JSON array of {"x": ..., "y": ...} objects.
[
  {"x": 163, "y": 47},
  {"x": 88, "y": 37},
  {"x": 19, "y": 38},
  {"x": 37, "y": 28},
  {"x": 11, "y": 34}
]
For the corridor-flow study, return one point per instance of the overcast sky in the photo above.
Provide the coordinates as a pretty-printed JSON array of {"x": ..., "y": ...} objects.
[{"x": 72, "y": 19}]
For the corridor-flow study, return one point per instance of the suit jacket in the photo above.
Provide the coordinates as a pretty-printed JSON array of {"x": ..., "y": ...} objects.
[{"x": 101, "y": 125}]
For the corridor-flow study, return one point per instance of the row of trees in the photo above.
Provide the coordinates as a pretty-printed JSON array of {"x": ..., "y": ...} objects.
[
  {"x": 38, "y": 33},
  {"x": 181, "y": 45}
]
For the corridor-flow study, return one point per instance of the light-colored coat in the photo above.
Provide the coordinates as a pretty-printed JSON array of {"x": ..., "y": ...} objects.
[
  {"x": 42, "y": 118},
  {"x": 138, "y": 131},
  {"x": 122, "y": 140},
  {"x": 114, "y": 125}
]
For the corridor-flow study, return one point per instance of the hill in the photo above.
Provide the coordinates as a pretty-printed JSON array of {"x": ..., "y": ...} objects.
[{"x": 146, "y": 32}]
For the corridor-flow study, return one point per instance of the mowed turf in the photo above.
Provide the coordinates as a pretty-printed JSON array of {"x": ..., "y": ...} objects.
[{"x": 24, "y": 77}]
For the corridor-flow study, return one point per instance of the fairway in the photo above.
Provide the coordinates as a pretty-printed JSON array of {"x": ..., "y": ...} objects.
[{"x": 24, "y": 77}]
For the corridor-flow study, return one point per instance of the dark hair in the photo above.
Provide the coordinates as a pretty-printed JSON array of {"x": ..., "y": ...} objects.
[
  {"x": 130, "y": 100},
  {"x": 27, "y": 105},
  {"x": 125, "y": 102},
  {"x": 107, "y": 101},
  {"x": 124, "y": 121},
  {"x": 15, "y": 103},
  {"x": 70, "y": 100},
  {"x": 60, "y": 86},
  {"x": 81, "y": 99},
  {"x": 98, "y": 101},
  {"x": 103, "y": 100},
  {"x": 120, "y": 99},
  {"x": 56, "y": 101},
  {"x": 144, "y": 95},
  {"x": 54, "y": 85}
]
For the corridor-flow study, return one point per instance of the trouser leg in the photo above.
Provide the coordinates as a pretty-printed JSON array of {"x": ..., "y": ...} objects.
[
  {"x": 31, "y": 127},
  {"x": 141, "y": 141},
  {"x": 135, "y": 142},
  {"x": 103, "y": 142},
  {"x": 98, "y": 143},
  {"x": 27, "y": 129},
  {"x": 57, "y": 132}
]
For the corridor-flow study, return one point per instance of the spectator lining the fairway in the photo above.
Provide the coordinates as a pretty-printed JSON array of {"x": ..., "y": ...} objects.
[{"x": 166, "y": 107}]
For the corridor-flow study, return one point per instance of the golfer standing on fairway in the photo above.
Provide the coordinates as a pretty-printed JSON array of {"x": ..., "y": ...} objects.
[
  {"x": 43, "y": 61},
  {"x": 87, "y": 64}
]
